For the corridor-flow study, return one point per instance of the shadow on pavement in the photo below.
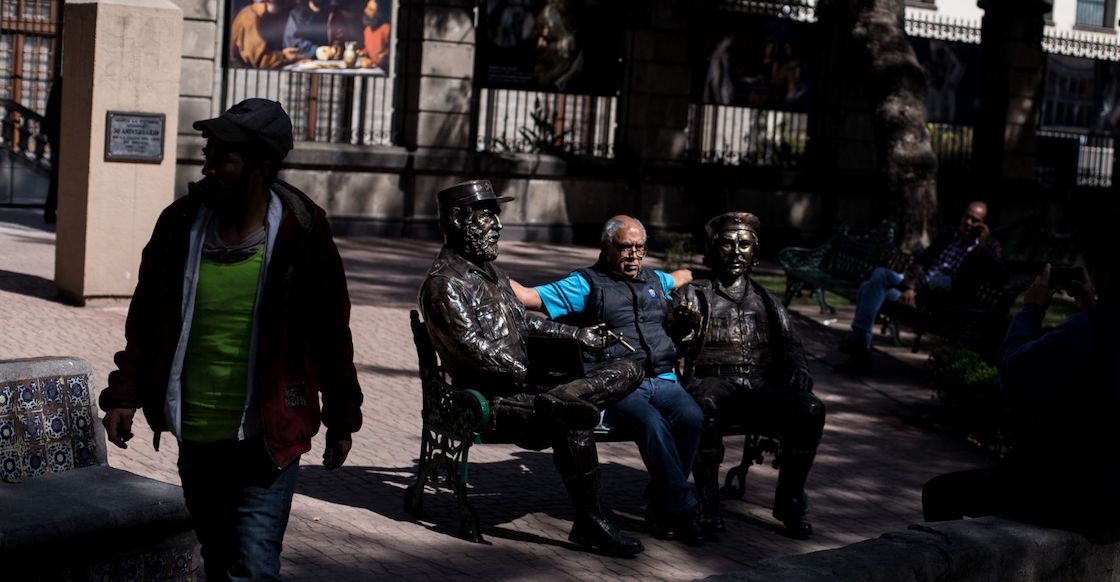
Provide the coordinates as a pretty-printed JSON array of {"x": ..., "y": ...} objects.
[
  {"x": 30, "y": 285},
  {"x": 500, "y": 492}
]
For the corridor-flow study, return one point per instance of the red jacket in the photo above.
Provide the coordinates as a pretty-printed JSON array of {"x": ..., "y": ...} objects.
[{"x": 304, "y": 345}]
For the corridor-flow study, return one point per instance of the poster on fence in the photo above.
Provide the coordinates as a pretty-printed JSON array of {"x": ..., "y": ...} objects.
[
  {"x": 754, "y": 61},
  {"x": 1081, "y": 93},
  {"x": 953, "y": 79},
  {"x": 350, "y": 37},
  {"x": 562, "y": 46}
]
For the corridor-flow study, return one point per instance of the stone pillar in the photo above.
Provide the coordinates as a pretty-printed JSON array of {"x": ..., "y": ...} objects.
[
  {"x": 121, "y": 55},
  {"x": 1014, "y": 64},
  {"x": 653, "y": 113},
  {"x": 437, "y": 70}
]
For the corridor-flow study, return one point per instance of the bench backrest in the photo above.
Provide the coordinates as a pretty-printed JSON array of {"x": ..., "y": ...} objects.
[
  {"x": 48, "y": 419},
  {"x": 854, "y": 256}
]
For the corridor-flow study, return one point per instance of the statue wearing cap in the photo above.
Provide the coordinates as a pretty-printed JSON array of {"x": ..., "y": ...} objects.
[
  {"x": 478, "y": 328},
  {"x": 745, "y": 365}
]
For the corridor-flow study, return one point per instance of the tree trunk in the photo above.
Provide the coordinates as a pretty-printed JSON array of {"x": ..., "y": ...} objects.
[{"x": 896, "y": 87}]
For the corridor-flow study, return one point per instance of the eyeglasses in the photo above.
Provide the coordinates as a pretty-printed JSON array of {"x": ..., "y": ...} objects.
[{"x": 638, "y": 250}]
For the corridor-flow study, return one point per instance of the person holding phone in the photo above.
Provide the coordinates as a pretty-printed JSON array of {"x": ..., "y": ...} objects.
[
  {"x": 969, "y": 246},
  {"x": 1063, "y": 388}
]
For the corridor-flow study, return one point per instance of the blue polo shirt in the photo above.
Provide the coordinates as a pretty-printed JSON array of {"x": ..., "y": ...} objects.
[{"x": 569, "y": 295}]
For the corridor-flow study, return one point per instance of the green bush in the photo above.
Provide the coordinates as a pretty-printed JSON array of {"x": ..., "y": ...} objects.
[
  {"x": 969, "y": 388},
  {"x": 678, "y": 249}
]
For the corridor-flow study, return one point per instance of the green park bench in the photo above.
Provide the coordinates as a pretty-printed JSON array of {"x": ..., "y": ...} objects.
[
  {"x": 68, "y": 515},
  {"x": 455, "y": 418}
]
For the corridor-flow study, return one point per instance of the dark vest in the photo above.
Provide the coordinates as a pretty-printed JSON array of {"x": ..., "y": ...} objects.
[{"x": 635, "y": 308}]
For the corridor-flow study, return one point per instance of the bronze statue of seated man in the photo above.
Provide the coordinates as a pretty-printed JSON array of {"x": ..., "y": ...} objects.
[
  {"x": 744, "y": 365},
  {"x": 478, "y": 328}
]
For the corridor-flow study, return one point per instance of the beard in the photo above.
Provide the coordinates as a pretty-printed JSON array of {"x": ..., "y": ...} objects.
[{"x": 480, "y": 245}]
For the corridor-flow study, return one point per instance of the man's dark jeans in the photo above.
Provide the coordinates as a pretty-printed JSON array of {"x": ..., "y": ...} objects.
[
  {"x": 669, "y": 423},
  {"x": 240, "y": 503}
]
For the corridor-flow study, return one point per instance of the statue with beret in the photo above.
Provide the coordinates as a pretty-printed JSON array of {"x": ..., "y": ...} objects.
[
  {"x": 478, "y": 328},
  {"x": 744, "y": 365}
]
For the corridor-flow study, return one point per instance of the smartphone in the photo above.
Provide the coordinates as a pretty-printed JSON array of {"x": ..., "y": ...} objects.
[{"x": 1061, "y": 277}]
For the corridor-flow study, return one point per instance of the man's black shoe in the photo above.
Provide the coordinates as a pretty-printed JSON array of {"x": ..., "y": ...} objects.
[
  {"x": 798, "y": 528},
  {"x": 687, "y": 528},
  {"x": 659, "y": 526},
  {"x": 598, "y": 533},
  {"x": 859, "y": 362},
  {"x": 712, "y": 526}
]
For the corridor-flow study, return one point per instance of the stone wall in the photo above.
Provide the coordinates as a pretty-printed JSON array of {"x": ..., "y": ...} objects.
[{"x": 984, "y": 549}]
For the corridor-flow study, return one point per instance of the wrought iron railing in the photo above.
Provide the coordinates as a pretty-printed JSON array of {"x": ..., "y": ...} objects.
[
  {"x": 330, "y": 108},
  {"x": 21, "y": 133},
  {"x": 952, "y": 144},
  {"x": 548, "y": 123},
  {"x": 1068, "y": 158},
  {"x": 1072, "y": 43},
  {"x": 799, "y": 10},
  {"x": 925, "y": 24},
  {"x": 721, "y": 134}
]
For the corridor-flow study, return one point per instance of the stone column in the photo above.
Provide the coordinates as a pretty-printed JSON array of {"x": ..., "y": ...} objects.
[
  {"x": 653, "y": 113},
  {"x": 121, "y": 55},
  {"x": 437, "y": 70},
  {"x": 1014, "y": 63}
]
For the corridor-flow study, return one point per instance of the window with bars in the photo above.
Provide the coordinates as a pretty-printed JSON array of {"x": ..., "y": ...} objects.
[
  {"x": 1097, "y": 13},
  {"x": 28, "y": 44},
  {"x": 546, "y": 123}
]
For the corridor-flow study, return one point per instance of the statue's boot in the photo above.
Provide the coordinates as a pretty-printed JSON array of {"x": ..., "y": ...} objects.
[
  {"x": 577, "y": 460},
  {"x": 791, "y": 502},
  {"x": 576, "y": 403},
  {"x": 705, "y": 473}
]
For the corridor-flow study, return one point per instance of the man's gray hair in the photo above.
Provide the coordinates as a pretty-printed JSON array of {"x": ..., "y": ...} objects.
[{"x": 613, "y": 225}]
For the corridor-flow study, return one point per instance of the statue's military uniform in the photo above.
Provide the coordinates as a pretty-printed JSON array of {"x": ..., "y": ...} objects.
[{"x": 744, "y": 365}]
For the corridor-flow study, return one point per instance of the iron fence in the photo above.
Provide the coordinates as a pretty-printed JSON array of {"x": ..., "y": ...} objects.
[
  {"x": 329, "y": 108},
  {"x": 1069, "y": 158},
  {"x": 924, "y": 24},
  {"x": 799, "y": 10},
  {"x": 1072, "y": 43},
  {"x": 723, "y": 134},
  {"x": 549, "y": 123},
  {"x": 24, "y": 153},
  {"x": 952, "y": 144}
]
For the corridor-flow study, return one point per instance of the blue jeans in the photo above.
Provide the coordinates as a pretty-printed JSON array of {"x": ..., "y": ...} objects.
[
  {"x": 882, "y": 286},
  {"x": 668, "y": 422},
  {"x": 239, "y": 502}
]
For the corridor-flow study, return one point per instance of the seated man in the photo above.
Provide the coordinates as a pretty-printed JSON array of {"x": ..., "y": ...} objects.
[
  {"x": 969, "y": 246},
  {"x": 633, "y": 303},
  {"x": 1063, "y": 387},
  {"x": 478, "y": 327},
  {"x": 745, "y": 365}
]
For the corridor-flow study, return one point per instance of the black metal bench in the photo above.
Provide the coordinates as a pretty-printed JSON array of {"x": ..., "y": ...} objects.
[{"x": 455, "y": 418}]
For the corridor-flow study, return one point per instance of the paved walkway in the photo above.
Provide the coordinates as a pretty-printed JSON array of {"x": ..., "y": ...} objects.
[{"x": 349, "y": 524}]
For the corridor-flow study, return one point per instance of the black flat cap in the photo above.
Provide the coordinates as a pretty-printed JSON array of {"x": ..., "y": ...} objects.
[
  {"x": 253, "y": 119},
  {"x": 467, "y": 193}
]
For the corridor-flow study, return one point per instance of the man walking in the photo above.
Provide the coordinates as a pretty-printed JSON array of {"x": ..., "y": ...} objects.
[{"x": 239, "y": 323}]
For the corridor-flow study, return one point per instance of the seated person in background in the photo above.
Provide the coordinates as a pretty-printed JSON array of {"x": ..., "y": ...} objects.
[
  {"x": 478, "y": 328},
  {"x": 744, "y": 364},
  {"x": 934, "y": 270},
  {"x": 633, "y": 302},
  {"x": 1063, "y": 386}
]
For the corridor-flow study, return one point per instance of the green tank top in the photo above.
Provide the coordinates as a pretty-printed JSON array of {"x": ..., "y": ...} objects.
[{"x": 216, "y": 368}]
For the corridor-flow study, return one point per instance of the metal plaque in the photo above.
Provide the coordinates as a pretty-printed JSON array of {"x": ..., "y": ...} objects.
[{"x": 134, "y": 137}]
